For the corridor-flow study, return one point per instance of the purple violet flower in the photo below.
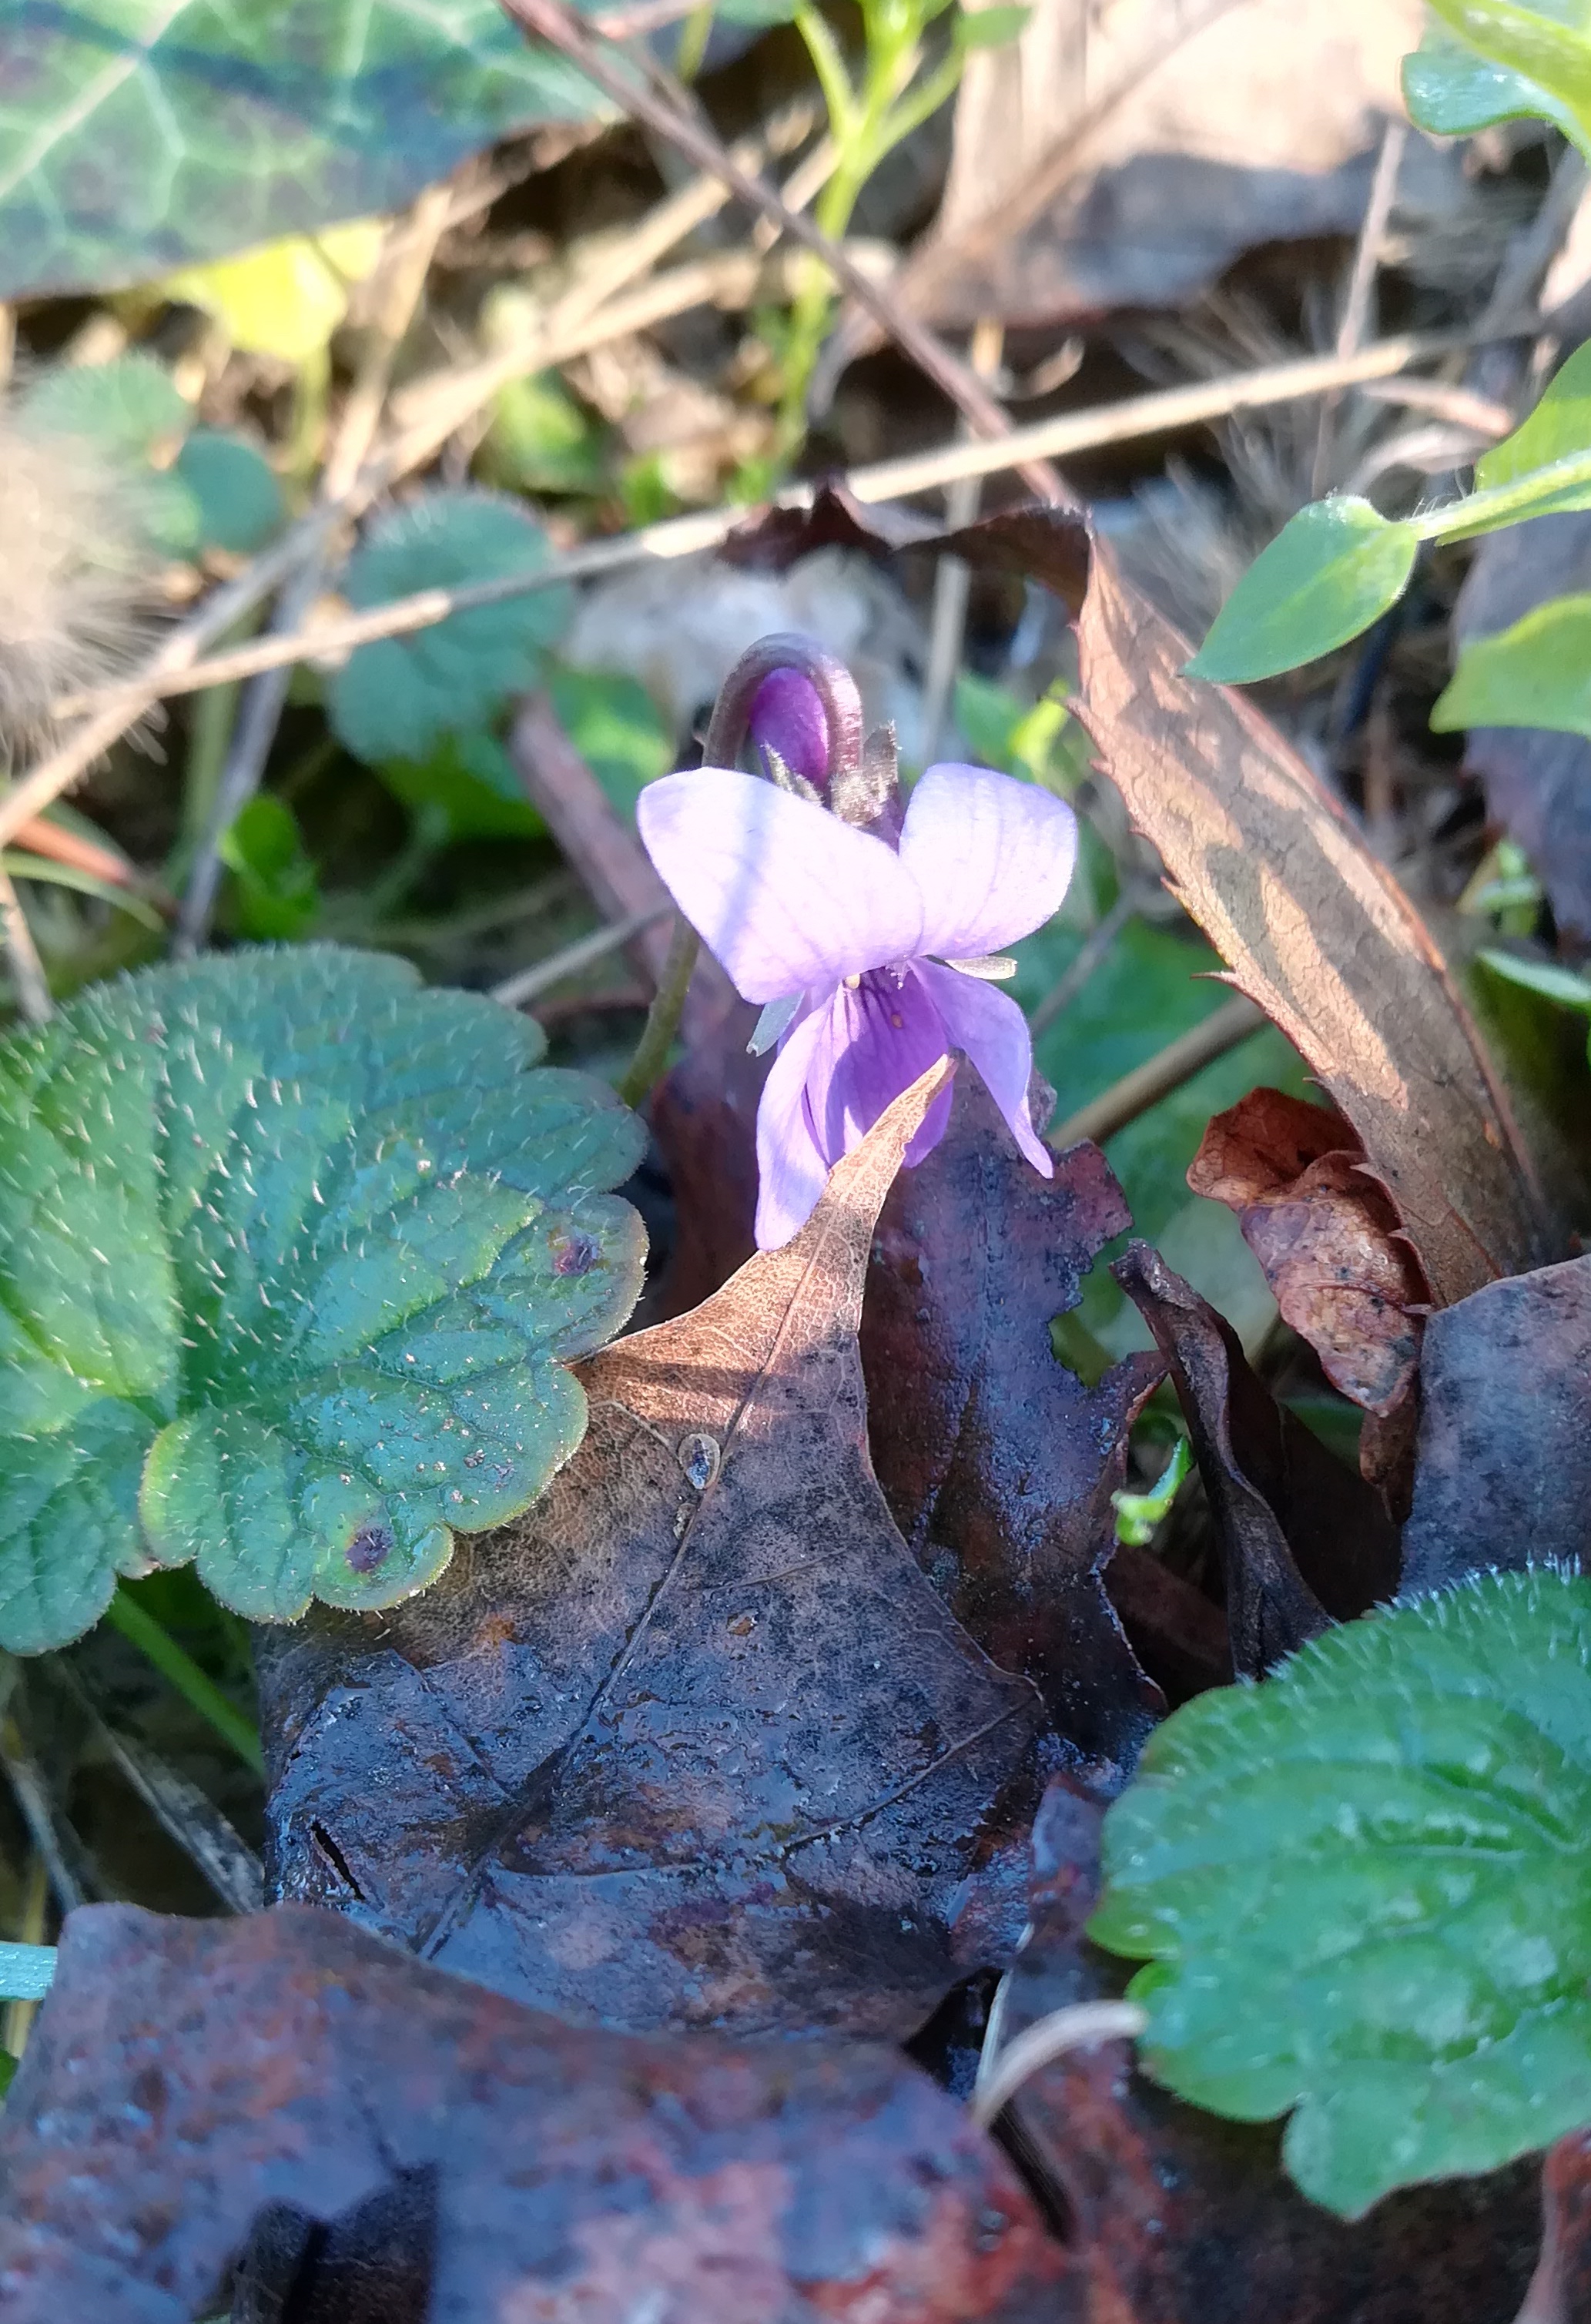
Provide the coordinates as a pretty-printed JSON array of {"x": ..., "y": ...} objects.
[
  {"x": 864, "y": 954},
  {"x": 787, "y": 716}
]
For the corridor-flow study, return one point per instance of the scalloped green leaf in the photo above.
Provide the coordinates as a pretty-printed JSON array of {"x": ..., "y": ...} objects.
[
  {"x": 235, "y": 489},
  {"x": 1490, "y": 60},
  {"x": 1332, "y": 571},
  {"x": 1537, "y": 673},
  {"x": 131, "y": 411},
  {"x": 397, "y": 699},
  {"x": 293, "y": 1252},
  {"x": 1365, "y": 1886},
  {"x": 139, "y": 135}
]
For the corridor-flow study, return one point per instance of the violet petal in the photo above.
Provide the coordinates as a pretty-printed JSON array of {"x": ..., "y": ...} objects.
[
  {"x": 787, "y": 715},
  {"x": 991, "y": 1029},
  {"x": 784, "y": 895},
  {"x": 791, "y": 1172},
  {"x": 881, "y": 1036},
  {"x": 993, "y": 857}
]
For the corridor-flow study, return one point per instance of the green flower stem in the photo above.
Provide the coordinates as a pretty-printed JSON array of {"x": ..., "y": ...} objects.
[
  {"x": 646, "y": 1067},
  {"x": 1521, "y": 498},
  {"x": 142, "y": 1630}
]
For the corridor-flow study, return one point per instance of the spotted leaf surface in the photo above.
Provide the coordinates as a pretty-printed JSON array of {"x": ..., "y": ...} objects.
[
  {"x": 1364, "y": 1887},
  {"x": 292, "y": 1252}
]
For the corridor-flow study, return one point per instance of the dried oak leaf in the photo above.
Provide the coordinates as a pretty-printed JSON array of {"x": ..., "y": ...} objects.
[
  {"x": 187, "y": 2079},
  {"x": 693, "y": 1742},
  {"x": 1303, "y": 1541},
  {"x": 1560, "y": 2288},
  {"x": 1502, "y": 1472},
  {"x": 1179, "y": 2218},
  {"x": 1317, "y": 932},
  {"x": 1325, "y": 1235},
  {"x": 996, "y": 1461}
]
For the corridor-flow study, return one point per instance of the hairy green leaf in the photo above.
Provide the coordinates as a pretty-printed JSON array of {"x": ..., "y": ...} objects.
[
  {"x": 234, "y": 488},
  {"x": 140, "y": 135},
  {"x": 1536, "y": 674},
  {"x": 1506, "y": 59},
  {"x": 291, "y": 1252},
  {"x": 131, "y": 411},
  {"x": 1365, "y": 1887},
  {"x": 396, "y": 699},
  {"x": 1335, "y": 568}
]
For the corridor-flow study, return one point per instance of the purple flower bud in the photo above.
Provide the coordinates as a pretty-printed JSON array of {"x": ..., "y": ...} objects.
[{"x": 787, "y": 717}]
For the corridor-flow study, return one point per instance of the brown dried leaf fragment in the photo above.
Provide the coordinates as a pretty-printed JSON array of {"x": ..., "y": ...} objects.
[
  {"x": 189, "y": 2079},
  {"x": 997, "y": 1461},
  {"x": 1317, "y": 931},
  {"x": 1503, "y": 1474},
  {"x": 1302, "y": 1541},
  {"x": 1325, "y": 1235},
  {"x": 693, "y": 1742}
]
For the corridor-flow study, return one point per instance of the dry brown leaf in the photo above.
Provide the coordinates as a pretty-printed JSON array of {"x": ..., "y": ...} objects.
[
  {"x": 1325, "y": 1235},
  {"x": 694, "y": 1742},
  {"x": 1317, "y": 931}
]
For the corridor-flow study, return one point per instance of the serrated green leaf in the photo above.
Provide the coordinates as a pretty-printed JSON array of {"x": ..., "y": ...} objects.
[
  {"x": 1365, "y": 1888},
  {"x": 1452, "y": 92},
  {"x": 144, "y": 135},
  {"x": 1335, "y": 568},
  {"x": 1536, "y": 674},
  {"x": 292, "y": 1252},
  {"x": 397, "y": 699},
  {"x": 1538, "y": 52},
  {"x": 235, "y": 489}
]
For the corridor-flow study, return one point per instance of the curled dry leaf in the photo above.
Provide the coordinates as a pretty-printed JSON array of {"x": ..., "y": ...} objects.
[
  {"x": 1325, "y": 1235},
  {"x": 1179, "y": 2218},
  {"x": 189, "y": 2079},
  {"x": 1560, "y": 2288},
  {"x": 997, "y": 1461},
  {"x": 695, "y": 1742},
  {"x": 1317, "y": 931},
  {"x": 1503, "y": 1474},
  {"x": 1302, "y": 1541}
]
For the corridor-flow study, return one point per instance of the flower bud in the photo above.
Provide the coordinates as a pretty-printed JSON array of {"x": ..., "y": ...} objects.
[{"x": 787, "y": 719}]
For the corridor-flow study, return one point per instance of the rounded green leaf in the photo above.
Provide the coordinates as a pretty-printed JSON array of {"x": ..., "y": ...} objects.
[
  {"x": 395, "y": 699},
  {"x": 1541, "y": 48},
  {"x": 1365, "y": 1887},
  {"x": 239, "y": 499},
  {"x": 129, "y": 406},
  {"x": 1452, "y": 92},
  {"x": 1536, "y": 674},
  {"x": 1335, "y": 568},
  {"x": 471, "y": 781},
  {"x": 295, "y": 1252}
]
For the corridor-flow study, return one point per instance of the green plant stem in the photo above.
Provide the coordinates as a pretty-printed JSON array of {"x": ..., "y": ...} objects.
[
  {"x": 694, "y": 36},
  {"x": 1523, "y": 497},
  {"x": 141, "y": 1630},
  {"x": 663, "y": 1019}
]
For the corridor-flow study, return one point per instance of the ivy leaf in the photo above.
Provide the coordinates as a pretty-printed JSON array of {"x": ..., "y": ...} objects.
[
  {"x": 1333, "y": 570},
  {"x": 1365, "y": 1886},
  {"x": 292, "y": 1252},
  {"x": 395, "y": 699},
  {"x": 144, "y": 135},
  {"x": 1536, "y": 674},
  {"x": 1506, "y": 59}
]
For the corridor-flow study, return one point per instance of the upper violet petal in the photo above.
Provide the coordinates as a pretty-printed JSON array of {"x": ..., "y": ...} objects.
[
  {"x": 791, "y": 1171},
  {"x": 989, "y": 1026},
  {"x": 993, "y": 857},
  {"x": 785, "y": 896},
  {"x": 787, "y": 715}
]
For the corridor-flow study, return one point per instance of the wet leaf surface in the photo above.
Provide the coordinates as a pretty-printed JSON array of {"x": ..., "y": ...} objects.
[
  {"x": 1303, "y": 1541},
  {"x": 1182, "y": 2218},
  {"x": 1325, "y": 1235},
  {"x": 997, "y": 1461},
  {"x": 1503, "y": 1474},
  {"x": 696, "y": 1742},
  {"x": 187, "y": 2079}
]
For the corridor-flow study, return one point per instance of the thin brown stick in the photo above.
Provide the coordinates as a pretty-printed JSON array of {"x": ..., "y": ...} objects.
[
  {"x": 528, "y": 983},
  {"x": 551, "y": 21},
  {"x": 1355, "y": 313},
  {"x": 1096, "y": 945},
  {"x": 1146, "y": 1084}
]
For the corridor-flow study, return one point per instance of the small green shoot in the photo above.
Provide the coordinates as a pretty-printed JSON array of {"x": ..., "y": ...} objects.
[{"x": 1140, "y": 1516}]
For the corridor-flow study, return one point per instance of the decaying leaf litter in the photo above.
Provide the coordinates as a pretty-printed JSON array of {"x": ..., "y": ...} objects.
[{"x": 762, "y": 1759}]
